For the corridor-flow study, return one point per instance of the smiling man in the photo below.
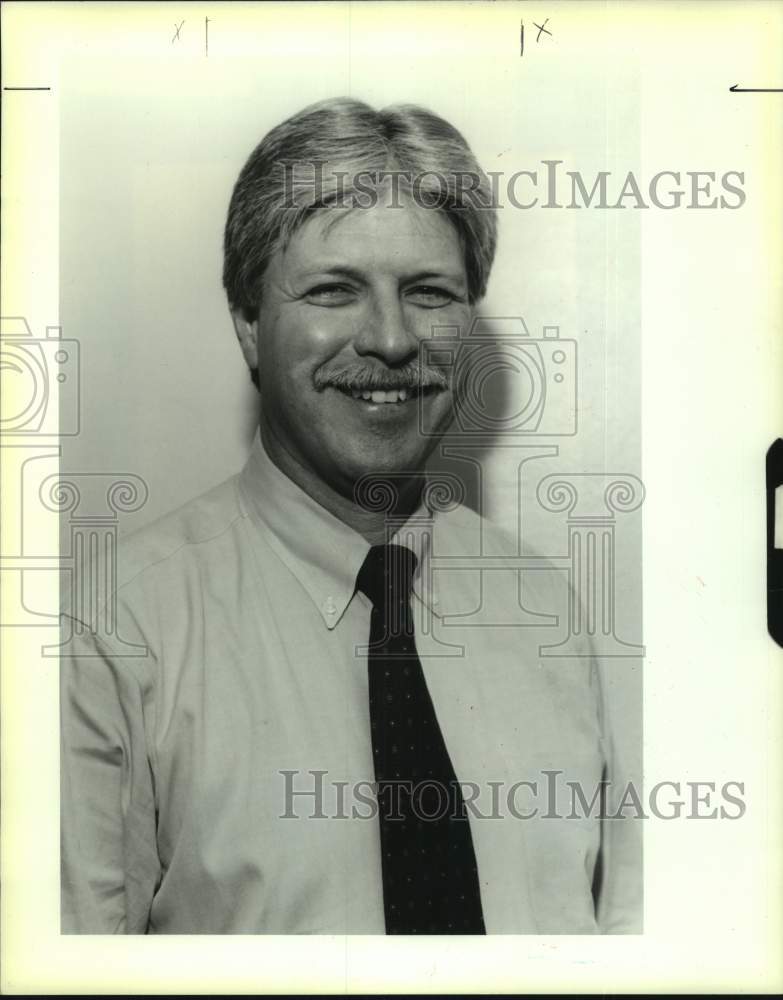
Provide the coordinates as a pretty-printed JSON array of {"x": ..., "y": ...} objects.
[
  {"x": 320, "y": 726},
  {"x": 335, "y": 341}
]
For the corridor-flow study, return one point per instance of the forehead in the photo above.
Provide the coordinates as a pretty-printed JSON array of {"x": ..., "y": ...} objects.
[{"x": 394, "y": 238}]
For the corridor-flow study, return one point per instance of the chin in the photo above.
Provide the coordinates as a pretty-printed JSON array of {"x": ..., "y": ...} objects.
[
  {"x": 388, "y": 459},
  {"x": 381, "y": 462}
]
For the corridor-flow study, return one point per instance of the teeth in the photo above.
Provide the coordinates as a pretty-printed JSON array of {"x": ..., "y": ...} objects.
[{"x": 382, "y": 395}]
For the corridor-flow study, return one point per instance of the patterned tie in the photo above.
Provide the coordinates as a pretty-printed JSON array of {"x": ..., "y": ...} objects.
[{"x": 430, "y": 877}]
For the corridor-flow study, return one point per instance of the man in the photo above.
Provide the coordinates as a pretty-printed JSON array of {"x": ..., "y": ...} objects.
[{"x": 325, "y": 731}]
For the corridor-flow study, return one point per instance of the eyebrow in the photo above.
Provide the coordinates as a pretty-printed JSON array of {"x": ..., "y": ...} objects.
[{"x": 345, "y": 271}]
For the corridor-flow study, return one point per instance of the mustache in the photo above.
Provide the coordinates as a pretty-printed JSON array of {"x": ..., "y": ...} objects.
[{"x": 408, "y": 376}]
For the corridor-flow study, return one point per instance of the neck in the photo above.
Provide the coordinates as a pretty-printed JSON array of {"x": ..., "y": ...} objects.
[{"x": 373, "y": 525}]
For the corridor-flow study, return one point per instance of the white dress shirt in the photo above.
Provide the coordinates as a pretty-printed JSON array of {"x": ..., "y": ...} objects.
[{"x": 249, "y": 675}]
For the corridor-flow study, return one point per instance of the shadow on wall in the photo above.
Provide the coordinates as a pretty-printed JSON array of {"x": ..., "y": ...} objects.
[{"x": 514, "y": 387}]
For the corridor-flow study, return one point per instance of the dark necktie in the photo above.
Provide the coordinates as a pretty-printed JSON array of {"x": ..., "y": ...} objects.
[{"x": 430, "y": 877}]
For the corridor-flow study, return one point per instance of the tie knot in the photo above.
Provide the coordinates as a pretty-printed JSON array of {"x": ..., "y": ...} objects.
[{"x": 386, "y": 575}]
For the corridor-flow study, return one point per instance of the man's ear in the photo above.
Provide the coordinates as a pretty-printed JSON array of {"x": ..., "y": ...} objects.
[{"x": 247, "y": 333}]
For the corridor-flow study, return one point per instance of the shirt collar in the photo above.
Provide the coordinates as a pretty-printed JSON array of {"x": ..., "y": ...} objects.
[{"x": 323, "y": 553}]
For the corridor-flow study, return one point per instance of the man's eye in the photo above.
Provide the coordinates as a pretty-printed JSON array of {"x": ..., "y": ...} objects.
[
  {"x": 430, "y": 296},
  {"x": 330, "y": 295}
]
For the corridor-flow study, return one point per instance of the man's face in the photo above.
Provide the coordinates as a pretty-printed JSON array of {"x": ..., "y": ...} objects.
[{"x": 343, "y": 311}]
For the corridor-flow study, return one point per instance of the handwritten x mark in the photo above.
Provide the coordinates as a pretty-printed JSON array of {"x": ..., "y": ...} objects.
[{"x": 542, "y": 28}]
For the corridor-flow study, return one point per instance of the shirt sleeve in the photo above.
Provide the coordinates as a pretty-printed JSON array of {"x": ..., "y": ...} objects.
[
  {"x": 109, "y": 861},
  {"x": 619, "y": 881}
]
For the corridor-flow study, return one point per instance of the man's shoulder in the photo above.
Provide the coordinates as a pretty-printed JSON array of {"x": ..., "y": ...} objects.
[
  {"x": 464, "y": 531},
  {"x": 519, "y": 575},
  {"x": 161, "y": 567},
  {"x": 185, "y": 533}
]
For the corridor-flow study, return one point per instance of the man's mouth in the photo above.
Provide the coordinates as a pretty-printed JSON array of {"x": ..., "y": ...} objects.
[{"x": 390, "y": 396}]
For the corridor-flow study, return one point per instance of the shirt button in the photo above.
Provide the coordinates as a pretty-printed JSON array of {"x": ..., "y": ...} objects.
[{"x": 330, "y": 608}]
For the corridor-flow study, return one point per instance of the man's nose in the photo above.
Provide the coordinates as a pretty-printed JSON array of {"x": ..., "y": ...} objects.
[{"x": 386, "y": 332}]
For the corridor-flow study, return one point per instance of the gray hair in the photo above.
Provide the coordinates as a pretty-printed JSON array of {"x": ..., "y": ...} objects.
[{"x": 313, "y": 159}]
